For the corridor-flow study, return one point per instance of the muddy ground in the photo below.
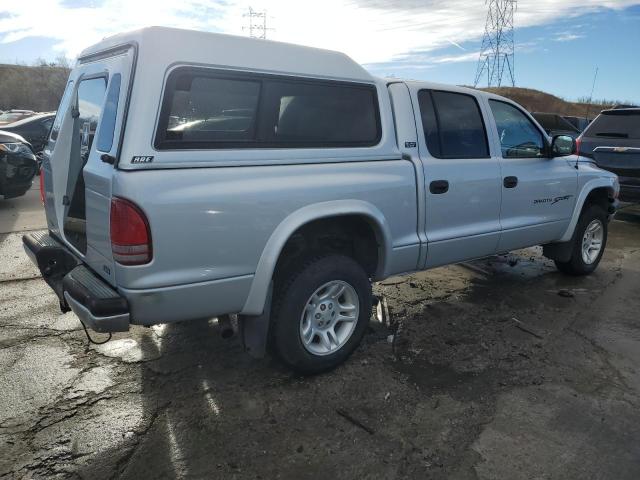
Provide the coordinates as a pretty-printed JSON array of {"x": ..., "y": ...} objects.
[{"x": 499, "y": 369}]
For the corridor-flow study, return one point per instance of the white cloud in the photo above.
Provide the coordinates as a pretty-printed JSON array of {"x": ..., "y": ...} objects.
[
  {"x": 371, "y": 31},
  {"x": 568, "y": 37}
]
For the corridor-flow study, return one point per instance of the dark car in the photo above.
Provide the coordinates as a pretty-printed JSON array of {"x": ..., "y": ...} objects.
[
  {"x": 612, "y": 140},
  {"x": 34, "y": 129},
  {"x": 555, "y": 124},
  {"x": 11, "y": 116},
  {"x": 17, "y": 165}
]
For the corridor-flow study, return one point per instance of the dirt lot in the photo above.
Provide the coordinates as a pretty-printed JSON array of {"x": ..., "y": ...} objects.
[{"x": 500, "y": 368}]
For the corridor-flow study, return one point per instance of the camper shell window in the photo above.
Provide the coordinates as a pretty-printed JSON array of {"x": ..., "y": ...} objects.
[{"x": 205, "y": 109}]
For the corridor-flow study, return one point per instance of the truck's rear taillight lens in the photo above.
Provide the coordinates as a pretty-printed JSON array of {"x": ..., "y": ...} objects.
[
  {"x": 578, "y": 142},
  {"x": 41, "y": 185},
  {"x": 130, "y": 233}
]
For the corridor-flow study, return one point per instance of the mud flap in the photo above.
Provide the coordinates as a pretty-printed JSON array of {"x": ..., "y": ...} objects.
[
  {"x": 254, "y": 329},
  {"x": 559, "y": 251}
]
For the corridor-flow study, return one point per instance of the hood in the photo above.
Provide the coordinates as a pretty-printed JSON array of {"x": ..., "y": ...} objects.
[{"x": 8, "y": 137}]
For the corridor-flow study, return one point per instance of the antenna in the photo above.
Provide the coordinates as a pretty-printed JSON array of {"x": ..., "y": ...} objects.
[
  {"x": 257, "y": 24},
  {"x": 593, "y": 86},
  {"x": 497, "y": 53}
]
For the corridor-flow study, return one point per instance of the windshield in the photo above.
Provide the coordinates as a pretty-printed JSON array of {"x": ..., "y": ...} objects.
[{"x": 621, "y": 124}]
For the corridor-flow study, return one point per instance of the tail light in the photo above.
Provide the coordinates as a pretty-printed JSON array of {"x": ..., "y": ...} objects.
[
  {"x": 578, "y": 142},
  {"x": 41, "y": 185},
  {"x": 130, "y": 233}
]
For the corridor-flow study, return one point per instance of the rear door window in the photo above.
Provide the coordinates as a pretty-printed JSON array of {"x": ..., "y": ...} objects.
[
  {"x": 453, "y": 125},
  {"x": 519, "y": 137},
  {"x": 616, "y": 124}
]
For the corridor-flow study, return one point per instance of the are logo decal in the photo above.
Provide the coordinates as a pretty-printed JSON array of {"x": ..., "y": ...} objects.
[
  {"x": 551, "y": 201},
  {"x": 142, "y": 159}
]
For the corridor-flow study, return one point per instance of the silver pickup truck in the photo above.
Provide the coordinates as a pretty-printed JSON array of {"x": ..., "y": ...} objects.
[{"x": 192, "y": 175}]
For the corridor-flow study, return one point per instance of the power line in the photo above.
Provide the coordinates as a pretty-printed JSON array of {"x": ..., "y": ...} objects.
[
  {"x": 257, "y": 24},
  {"x": 497, "y": 51}
]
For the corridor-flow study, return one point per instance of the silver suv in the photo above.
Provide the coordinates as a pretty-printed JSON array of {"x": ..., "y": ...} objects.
[{"x": 193, "y": 175}]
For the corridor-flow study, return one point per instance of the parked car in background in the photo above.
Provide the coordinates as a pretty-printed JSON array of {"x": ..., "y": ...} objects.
[
  {"x": 11, "y": 116},
  {"x": 555, "y": 124},
  {"x": 34, "y": 129},
  {"x": 612, "y": 140},
  {"x": 578, "y": 122},
  {"x": 17, "y": 165}
]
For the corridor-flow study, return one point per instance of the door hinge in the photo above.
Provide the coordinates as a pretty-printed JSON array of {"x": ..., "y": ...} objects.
[{"x": 106, "y": 158}]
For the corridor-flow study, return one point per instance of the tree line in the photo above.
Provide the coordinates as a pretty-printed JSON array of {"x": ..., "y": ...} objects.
[{"x": 37, "y": 87}]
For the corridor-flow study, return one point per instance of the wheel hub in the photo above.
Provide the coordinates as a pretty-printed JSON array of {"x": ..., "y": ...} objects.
[
  {"x": 329, "y": 318},
  {"x": 592, "y": 241}
]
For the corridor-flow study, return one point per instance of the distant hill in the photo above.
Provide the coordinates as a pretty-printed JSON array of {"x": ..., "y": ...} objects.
[
  {"x": 38, "y": 87},
  {"x": 537, "y": 101}
]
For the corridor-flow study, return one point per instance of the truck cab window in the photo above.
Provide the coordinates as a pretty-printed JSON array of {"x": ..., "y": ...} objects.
[
  {"x": 519, "y": 137},
  {"x": 453, "y": 126}
]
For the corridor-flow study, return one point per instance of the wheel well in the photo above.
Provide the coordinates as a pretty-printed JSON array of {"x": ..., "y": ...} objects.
[
  {"x": 598, "y": 196},
  {"x": 351, "y": 235}
]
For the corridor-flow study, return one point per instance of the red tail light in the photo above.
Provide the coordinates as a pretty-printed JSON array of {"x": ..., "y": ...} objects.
[
  {"x": 578, "y": 142},
  {"x": 42, "y": 185},
  {"x": 130, "y": 233}
]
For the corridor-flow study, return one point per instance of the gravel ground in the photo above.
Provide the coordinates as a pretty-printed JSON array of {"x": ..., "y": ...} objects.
[{"x": 500, "y": 368}]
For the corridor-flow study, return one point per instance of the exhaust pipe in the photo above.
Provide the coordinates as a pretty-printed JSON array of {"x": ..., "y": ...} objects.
[{"x": 228, "y": 326}]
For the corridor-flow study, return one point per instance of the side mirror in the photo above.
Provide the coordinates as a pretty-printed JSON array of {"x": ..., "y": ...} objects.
[{"x": 563, "y": 145}]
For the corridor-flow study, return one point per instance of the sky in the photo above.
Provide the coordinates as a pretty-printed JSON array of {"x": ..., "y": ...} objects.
[{"x": 559, "y": 43}]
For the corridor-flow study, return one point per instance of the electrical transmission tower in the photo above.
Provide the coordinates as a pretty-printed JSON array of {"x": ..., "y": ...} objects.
[
  {"x": 497, "y": 52},
  {"x": 257, "y": 24}
]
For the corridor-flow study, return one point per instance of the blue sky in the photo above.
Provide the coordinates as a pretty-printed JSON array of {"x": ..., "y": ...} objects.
[{"x": 559, "y": 43}]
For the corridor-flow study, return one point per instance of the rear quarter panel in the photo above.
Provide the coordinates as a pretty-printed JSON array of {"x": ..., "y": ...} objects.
[{"x": 214, "y": 223}]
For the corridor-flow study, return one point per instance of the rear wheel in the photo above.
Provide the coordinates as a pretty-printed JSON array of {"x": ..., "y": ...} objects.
[
  {"x": 589, "y": 242},
  {"x": 320, "y": 313}
]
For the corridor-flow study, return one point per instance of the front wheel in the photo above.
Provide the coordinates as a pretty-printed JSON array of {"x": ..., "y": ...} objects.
[
  {"x": 320, "y": 313},
  {"x": 589, "y": 242}
]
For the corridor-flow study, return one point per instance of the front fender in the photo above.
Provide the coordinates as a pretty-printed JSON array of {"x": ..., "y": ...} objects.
[
  {"x": 271, "y": 252},
  {"x": 608, "y": 182}
]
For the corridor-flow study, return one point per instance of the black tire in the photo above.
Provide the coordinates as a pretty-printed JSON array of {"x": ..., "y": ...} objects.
[
  {"x": 576, "y": 264},
  {"x": 290, "y": 299}
]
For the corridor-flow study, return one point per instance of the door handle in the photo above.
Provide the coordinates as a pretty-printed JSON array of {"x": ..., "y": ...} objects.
[
  {"x": 439, "y": 186},
  {"x": 510, "y": 182}
]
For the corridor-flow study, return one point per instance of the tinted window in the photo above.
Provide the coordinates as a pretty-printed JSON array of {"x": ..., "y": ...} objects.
[
  {"x": 214, "y": 110},
  {"x": 108, "y": 125},
  {"x": 616, "y": 124},
  {"x": 318, "y": 114},
  {"x": 64, "y": 104},
  {"x": 203, "y": 109},
  {"x": 90, "y": 98},
  {"x": 90, "y": 101},
  {"x": 429, "y": 123},
  {"x": 453, "y": 126},
  {"x": 519, "y": 137}
]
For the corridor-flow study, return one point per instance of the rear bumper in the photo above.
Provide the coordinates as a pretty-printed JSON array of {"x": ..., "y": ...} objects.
[{"x": 95, "y": 302}]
